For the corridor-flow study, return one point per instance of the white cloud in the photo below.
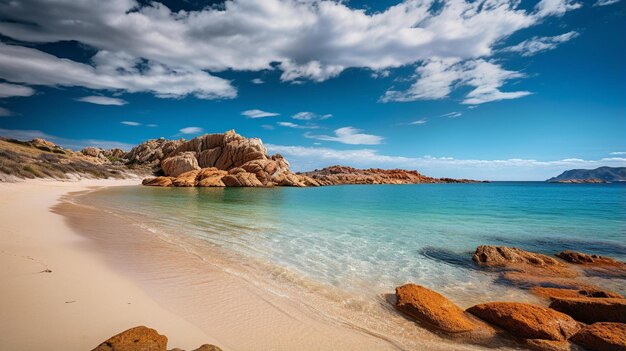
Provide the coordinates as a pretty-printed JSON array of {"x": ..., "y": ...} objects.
[
  {"x": 538, "y": 44},
  {"x": 618, "y": 153},
  {"x": 606, "y": 2},
  {"x": 349, "y": 135},
  {"x": 152, "y": 125},
  {"x": 12, "y": 90},
  {"x": 268, "y": 127},
  {"x": 307, "y": 116},
  {"x": 437, "y": 77},
  {"x": 110, "y": 71},
  {"x": 311, "y": 39},
  {"x": 75, "y": 144},
  {"x": 555, "y": 7},
  {"x": 102, "y": 100},
  {"x": 191, "y": 130},
  {"x": 131, "y": 123},
  {"x": 257, "y": 81},
  {"x": 452, "y": 115},
  {"x": 256, "y": 113},
  {"x": 297, "y": 126},
  {"x": 5, "y": 112},
  {"x": 419, "y": 122},
  {"x": 307, "y": 158}
]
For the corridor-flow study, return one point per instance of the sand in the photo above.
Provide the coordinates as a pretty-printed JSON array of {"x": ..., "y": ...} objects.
[{"x": 107, "y": 276}]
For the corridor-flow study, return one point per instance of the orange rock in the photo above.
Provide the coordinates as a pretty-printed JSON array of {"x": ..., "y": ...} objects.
[
  {"x": 431, "y": 308},
  {"x": 179, "y": 164},
  {"x": 594, "y": 264},
  {"x": 186, "y": 179},
  {"x": 547, "y": 345},
  {"x": 519, "y": 260},
  {"x": 207, "y": 347},
  {"x": 592, "y": 310},
  {"x": 158, "y": 181},
  {"x": 527, "y": 321},
  {"x": 529, "y": 280},
  {"x": 602, "y": 336},
  {"x": 135, "y": 339},
  {"x": 553, "y": 293}
]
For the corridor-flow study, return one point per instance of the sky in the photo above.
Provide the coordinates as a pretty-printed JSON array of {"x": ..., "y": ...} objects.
[{"x": 482, "y": 89}]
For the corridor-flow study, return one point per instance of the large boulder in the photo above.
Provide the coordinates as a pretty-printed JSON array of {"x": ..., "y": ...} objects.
[
  {"x": 434, "y": 309},
  {"x": 179, "y": 164},
  {"x": 210, "y": 177},
  {"x": 592, "y": 310},
  {"x": 602, "y": 336},
  {"x": 91, "y": 151},
  {"x": 520, "y": 260},
  {"x": 135, "y": 339},
  {"x": 152, "y": 152},
  {"x": 527, "y": 321},
  {"x": 158, "y": 181},
  {"x": 207, "y": 347}
]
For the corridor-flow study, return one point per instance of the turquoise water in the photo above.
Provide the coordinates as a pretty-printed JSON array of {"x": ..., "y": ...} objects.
[{"x": 369, "y": 239}]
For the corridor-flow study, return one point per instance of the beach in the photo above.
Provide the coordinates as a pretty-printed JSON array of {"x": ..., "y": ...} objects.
[{"x": 87, "y": 296}]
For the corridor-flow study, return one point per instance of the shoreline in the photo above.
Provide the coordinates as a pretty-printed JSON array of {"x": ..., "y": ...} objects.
[{"x": 82, "y": 301}]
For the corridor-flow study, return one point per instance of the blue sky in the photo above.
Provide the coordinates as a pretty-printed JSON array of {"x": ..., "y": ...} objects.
[{"x": 493, "y": 89}]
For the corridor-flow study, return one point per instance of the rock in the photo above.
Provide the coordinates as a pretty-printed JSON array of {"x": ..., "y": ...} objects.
[
  {"x": 179, "y": 164},
  {"x": 527, "y": 321},
  {"x": 435, "y": 310},
  {"x": 530, "y": 280},
  {"x": 517, "y": 259},
  {"x": 241, "y": 178},
  {"x": 114, "y": 153},
  {"x": 187, "y": 179},
  {"x": 91, "y": 151},
  {"x": 43, "y": 142},
  {"x": 595, "y": 264},
  {"x": 135, "y": 339},
  {"x": 210, "y": 177},
  {"x": 335, "y": 175},
  {"x": 603, "y": 336},
  {"x": 158, "y": 181},
  {"x": 207, "y": 347},
  {"x": 547, "y": 345},
  {"x": 592, "y": 310},
  {"x": 152, "y": 152},
  {"x": 553, "y": 293}
]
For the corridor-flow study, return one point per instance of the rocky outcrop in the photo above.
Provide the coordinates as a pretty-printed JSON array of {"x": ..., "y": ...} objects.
[
  {"x": 602, "y": 337},
  {"x": 515, "y": 259},
  {"x": 336, "y": 175},
  {"x": 135, "y": 339},
  {"x": 592, "y": 310},
  {"x": 91, "y": 151},
  {"x": 152, "y": 152},
  {"x": 226, "y": 159},
  {"x": 179, "y": 164},
  {"x": 435, "y": 310},
  {"x": 142, "y": 339},
  {"x": 594, "y": 264},
  {"x": 527, "y": 321}
]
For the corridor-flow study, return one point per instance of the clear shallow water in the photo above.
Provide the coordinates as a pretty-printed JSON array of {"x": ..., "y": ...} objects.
[{"x": 366, "y": 240}]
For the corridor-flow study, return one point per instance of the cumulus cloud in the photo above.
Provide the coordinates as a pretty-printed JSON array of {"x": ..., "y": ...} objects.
[
  {"x": 11, "y": 90},
  {"x": 437, "y": 77},
  {"x": 297, "y": 126},
  {"x": 256, "y": 113},
  {"x": 349, "y": 135},
  {"x": 103, "y": 100},
  {"x": 111, "y": 71},
  {"x": 307, "y": 116},
  {"x": 307, "y": 158},
  {"x": 191, "y": 130},
  {"x": 538, "y": 44},
  {"x": 311, "y": 40}
]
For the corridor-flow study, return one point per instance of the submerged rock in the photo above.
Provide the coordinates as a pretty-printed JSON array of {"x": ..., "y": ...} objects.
[
  {"x": 603, "y": 336},
  {"x": 520, "y": 260},
  {"x": 435, "y": 310},
  {"x": 592, "y": 310},
  {"x": 554, "y": 293},
  {"x": 594, "y": 264},
  {"x": 527, "y": 321},
  {"x": 135, "y": 339}
]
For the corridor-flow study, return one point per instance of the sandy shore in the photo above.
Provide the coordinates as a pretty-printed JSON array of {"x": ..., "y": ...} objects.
[{"x": 108, "y": 275}]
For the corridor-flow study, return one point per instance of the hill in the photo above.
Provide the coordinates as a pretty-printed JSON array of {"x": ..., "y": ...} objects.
[{"x": 606, "y": 174}]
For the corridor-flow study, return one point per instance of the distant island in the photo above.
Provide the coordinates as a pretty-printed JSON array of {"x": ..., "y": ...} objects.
[
  {"x": 598, "y": 175},
  {"x": 211, "y": 160}
]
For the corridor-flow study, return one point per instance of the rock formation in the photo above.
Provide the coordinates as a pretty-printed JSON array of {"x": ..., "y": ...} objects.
[
  {"x": 592, "y": 310},
  {"x": 594, "y": 264},
  {"x": 435, "y": 310},
  {"x": 602, "y": 337},
  {"x": 515, "y": 259},
  {"x": 142, "y": 339},
  {"x": 527, "y": 321},
  {"x": 226, "y": 159},
  {"x": 336, "y": 175}
]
